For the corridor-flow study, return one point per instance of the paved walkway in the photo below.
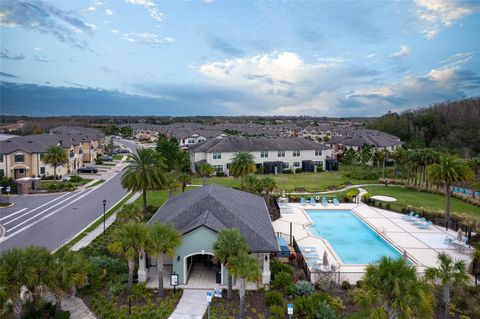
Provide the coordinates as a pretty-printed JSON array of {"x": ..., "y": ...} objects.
[
  {"x": 192, "y": 305},
  {"x": 85, "y": 241}
]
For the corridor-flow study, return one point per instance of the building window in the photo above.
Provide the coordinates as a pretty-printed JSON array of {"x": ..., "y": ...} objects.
[
  {"x": 318, "y": 152},
  {"x": 2, "y": 173},
  {"x": 285, "y": 165},
  {"x": 42, "y": 155},
  {"x": 20, "y": 158},
  {"x": 191, "y": 141},
  {"x": 21, "y": 171},
  {"x": 183, "y": 141},
  {"x": 217, "y": 155},
  {"x": 71, "y": 153},
  {"x": 264, "y": 154},
  {"x": 80, "y": 151},
  {"x": 42, "y": 170},
  {"x": 296, "y": 153},
  {"x": 281, "y": 153},
  {"x": 1, "y": 158},
  {"x": 296, "y": 164},
  {"x": 218, "y": 168}
]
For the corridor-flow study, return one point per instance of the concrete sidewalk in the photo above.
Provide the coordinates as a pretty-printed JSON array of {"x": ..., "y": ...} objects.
[
  {"x": 192, "y": 305},
  {"x": 85, "y": 241}
]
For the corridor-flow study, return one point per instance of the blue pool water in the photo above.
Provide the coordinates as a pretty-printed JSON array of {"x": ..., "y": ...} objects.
[{"x": 353, "y": 241}]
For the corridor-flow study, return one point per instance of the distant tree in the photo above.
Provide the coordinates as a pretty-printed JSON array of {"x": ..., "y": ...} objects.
[
  {"x": 229, "y": 245},
  {"x": 243, "y": 164},
  {"x": 205, "y": 170},
  {"x": 449, "y": 170},
  {"x": 251, "y": 184},
  {"x": 126, "y": 131},
  {"x": 366, "y": 154},
  {"x": 55, "y": 156},
  {"x": 170, "y": 150},
  {"x": 130, "y": 213},
  {"x": 145, "y": 172},
  {"x": 163, "y": 240},
  {"x": 448, "y": 274},
  {"x": 474, "y": 164},
  {"x": 246, "y": 268}
]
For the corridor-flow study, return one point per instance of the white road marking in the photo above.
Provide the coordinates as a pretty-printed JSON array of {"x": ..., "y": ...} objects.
[
  {"x": 42, "y": 218},
  {"x": 12, "y": 214},
  {"x": 43, "y": 211},
  {"x": 57, "y": 198}
]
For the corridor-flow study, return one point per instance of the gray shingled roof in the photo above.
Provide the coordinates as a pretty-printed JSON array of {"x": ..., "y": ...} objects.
[
  {"x": 257, "y": 144},
  {"x": 374, "y": 138},
  {"x": 217, "y": 207}
]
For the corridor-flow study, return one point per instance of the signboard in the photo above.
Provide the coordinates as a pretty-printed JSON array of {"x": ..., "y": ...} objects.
[
  {"x": 290, "y": 309},
  {"x": 174, "y": 279},
  {"x": 209, "y": 296},
  {"x": 8, "y": 189},
  {"x": 218, "y": 293}
]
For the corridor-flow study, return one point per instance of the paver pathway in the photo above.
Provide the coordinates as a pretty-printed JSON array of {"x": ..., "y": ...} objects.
[{"x": 192, "y": 305}]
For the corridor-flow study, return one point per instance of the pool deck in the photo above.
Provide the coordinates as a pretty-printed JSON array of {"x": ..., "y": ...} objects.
[{"x": 422, "y": 245}]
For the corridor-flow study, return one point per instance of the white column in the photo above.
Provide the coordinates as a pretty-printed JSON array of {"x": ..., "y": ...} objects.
[
  {"x": 142, "y": 269},
  {"x": 266, "y": 269}
]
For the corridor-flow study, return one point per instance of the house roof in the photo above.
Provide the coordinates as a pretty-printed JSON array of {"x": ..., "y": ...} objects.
[
  {"x": 370, "y": 137},
  {"x": 256, "y": 144},
  {"x": 217, "y": 207}
]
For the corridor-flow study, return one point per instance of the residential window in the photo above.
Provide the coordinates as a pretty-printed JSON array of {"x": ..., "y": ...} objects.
[
  {"x": 218, "y": 168},
  {"x": 42, "y": 170},
  {"x": 20, "y": 158},
  {"x": 217, "y": 155},
  {"x": 2, "y": 173},
  {"x": 296, "y": 153},
  {"x": 281, "y": 153},
  {"x": 318, "y": 152},
  {"x": 183, "y": 141},
  {"x": 296, "y": 164},
  {"x": 191, "y": 141},
  {"x": 264, "y": 154},
  {"x": 285, "y": 165},
  {"x": 1, "y": 158},
  {"x": 42, "y": 155},
  {"x": 80, "y": 151},
  {"x": 71, "y": 153}
]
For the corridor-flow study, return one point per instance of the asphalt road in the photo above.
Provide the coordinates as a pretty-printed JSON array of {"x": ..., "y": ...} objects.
[{"x": 52, "y": 220}]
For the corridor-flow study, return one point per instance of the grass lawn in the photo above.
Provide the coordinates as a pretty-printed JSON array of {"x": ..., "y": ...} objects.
[
  {"x": 427, "y": 201},
  {"x": 311, "y": 182},
  {"x": 118, "y": 157}
]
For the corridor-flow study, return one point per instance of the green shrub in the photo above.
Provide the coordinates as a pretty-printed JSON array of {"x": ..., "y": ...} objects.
[
  {"x": 277, "y": 312},
  {"x": 359, "y": 283},
  {"x": 277, "y": 266},
  {"x": 115, "y": 288},
  {"x": 75, "y": 179},
  {"x": 324, "y": 310},
  {"x": 274, "y": 298},
  {"x": 346, "y": 285},
  {"x": 283, "y": 281},
  {"x": 304, "y": 288},
  {"x": 138, "y": 292}
]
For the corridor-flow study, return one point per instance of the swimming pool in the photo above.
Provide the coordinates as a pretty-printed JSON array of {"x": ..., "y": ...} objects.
[{"x": 353, "y": 241}]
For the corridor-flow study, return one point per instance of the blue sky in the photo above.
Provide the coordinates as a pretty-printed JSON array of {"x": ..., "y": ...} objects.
[{"x": 146, "y": 57}]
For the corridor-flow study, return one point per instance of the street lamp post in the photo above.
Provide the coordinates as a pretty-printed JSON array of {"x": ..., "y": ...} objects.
[{"x": 104, "y": 203}]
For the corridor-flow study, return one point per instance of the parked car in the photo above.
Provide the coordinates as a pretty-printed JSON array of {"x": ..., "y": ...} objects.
[
  {"x": 88, "y": 169},
  {"x": 114, "y": 152},
  {"x": 123, "y": 151},
  {"x": 106, "y": 158}
]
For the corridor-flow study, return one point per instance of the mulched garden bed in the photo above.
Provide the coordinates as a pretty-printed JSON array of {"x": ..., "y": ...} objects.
[{"x": 255, "y": 306}]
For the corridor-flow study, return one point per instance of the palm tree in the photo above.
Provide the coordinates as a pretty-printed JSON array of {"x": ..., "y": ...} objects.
[
  {"x": 172, "y": 183},
  {"x": 185, "y": 179},
  {"x": 163, "y": 240},
  {"x": 71, "y": 272},
  {"x": 128, "y": 240},
  {"x": 229, "y": 245},
  {"x": 449, "y": 170},
  {"x": 475, "y": 165},
  {"x": 251, "y": 184},
  {"x": 391, "y": 289},
  {"x": 246, "y": 268},
  {"x": 13, "y": 265},
  {"x": 145, "y": 172},
  {"x": 268, "y": 185},
  {"x": 243, "y": 164},
  {"x": 55, "y": 156},
  {"x": 130, "y": 213},
  {"x": 448, "y": 274},
  {"x": 205, "y": 170}
]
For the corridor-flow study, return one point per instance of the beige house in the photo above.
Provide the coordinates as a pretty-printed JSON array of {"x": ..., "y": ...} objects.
[{"x": 22, "y": 156}]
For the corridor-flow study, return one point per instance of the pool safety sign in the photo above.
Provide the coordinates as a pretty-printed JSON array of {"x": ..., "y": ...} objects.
[
  {"x": 290, "y": 309},
  {"x": 209, "y": 296},
  {"x": 218, "y": 293}
]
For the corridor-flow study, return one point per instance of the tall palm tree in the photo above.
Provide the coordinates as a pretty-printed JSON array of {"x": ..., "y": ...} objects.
[
  {"x": 268, "y": 185},
  {"x": 130, "y": 213},
  {"x": 229, "y": 245},
  {"x": 243, "y": 164},
  {"x": 55, "y": 156},
  {"x": 448, "y": 274},
  {"x": 14, "y": 267},
  {"x": 391, "y": 289},
  {"x": 71, "y": 272},
  {"x": 185, "y": 178},
  {"x": 129, "y": 240},
  {"x": 172, "y": 183},
  {"x": 163, "y": 240},
  {"x": 449, "y": 170},
  {"x": 205, "y": 170},
  {"x": 246, "y": 268},
  {"x": 145, "y": 172}
]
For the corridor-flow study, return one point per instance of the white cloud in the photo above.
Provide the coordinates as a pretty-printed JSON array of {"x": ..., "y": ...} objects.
[
  {"x": 147, "y": 37},
  {"x": 151, "y": 8},
  {"x": 404, "y": 51},
  {"x": 115, "y": 31},
  {"x": 372, "y": 55},
  {"x": 37, "y": 49},
  {"x": 435, "y": 14},
  {"x": 89, "y": 10},
  {"x": 108, "y": 12},
  {"x": 458, "y": 59}
]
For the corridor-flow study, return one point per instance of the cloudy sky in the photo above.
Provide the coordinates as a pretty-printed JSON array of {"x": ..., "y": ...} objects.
[{"x": 322, "y": 58}]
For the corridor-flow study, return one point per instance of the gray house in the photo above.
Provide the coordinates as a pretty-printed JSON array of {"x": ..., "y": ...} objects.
[{"x": 200, "y": 214}]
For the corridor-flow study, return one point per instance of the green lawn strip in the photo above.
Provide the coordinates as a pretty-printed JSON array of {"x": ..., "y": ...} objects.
[
  {"x": 96, "y": 183},
  {"x": 98, "y": 221},
  {"x": 427, "y": 201},
  {"x": 118, "y": 157}
]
